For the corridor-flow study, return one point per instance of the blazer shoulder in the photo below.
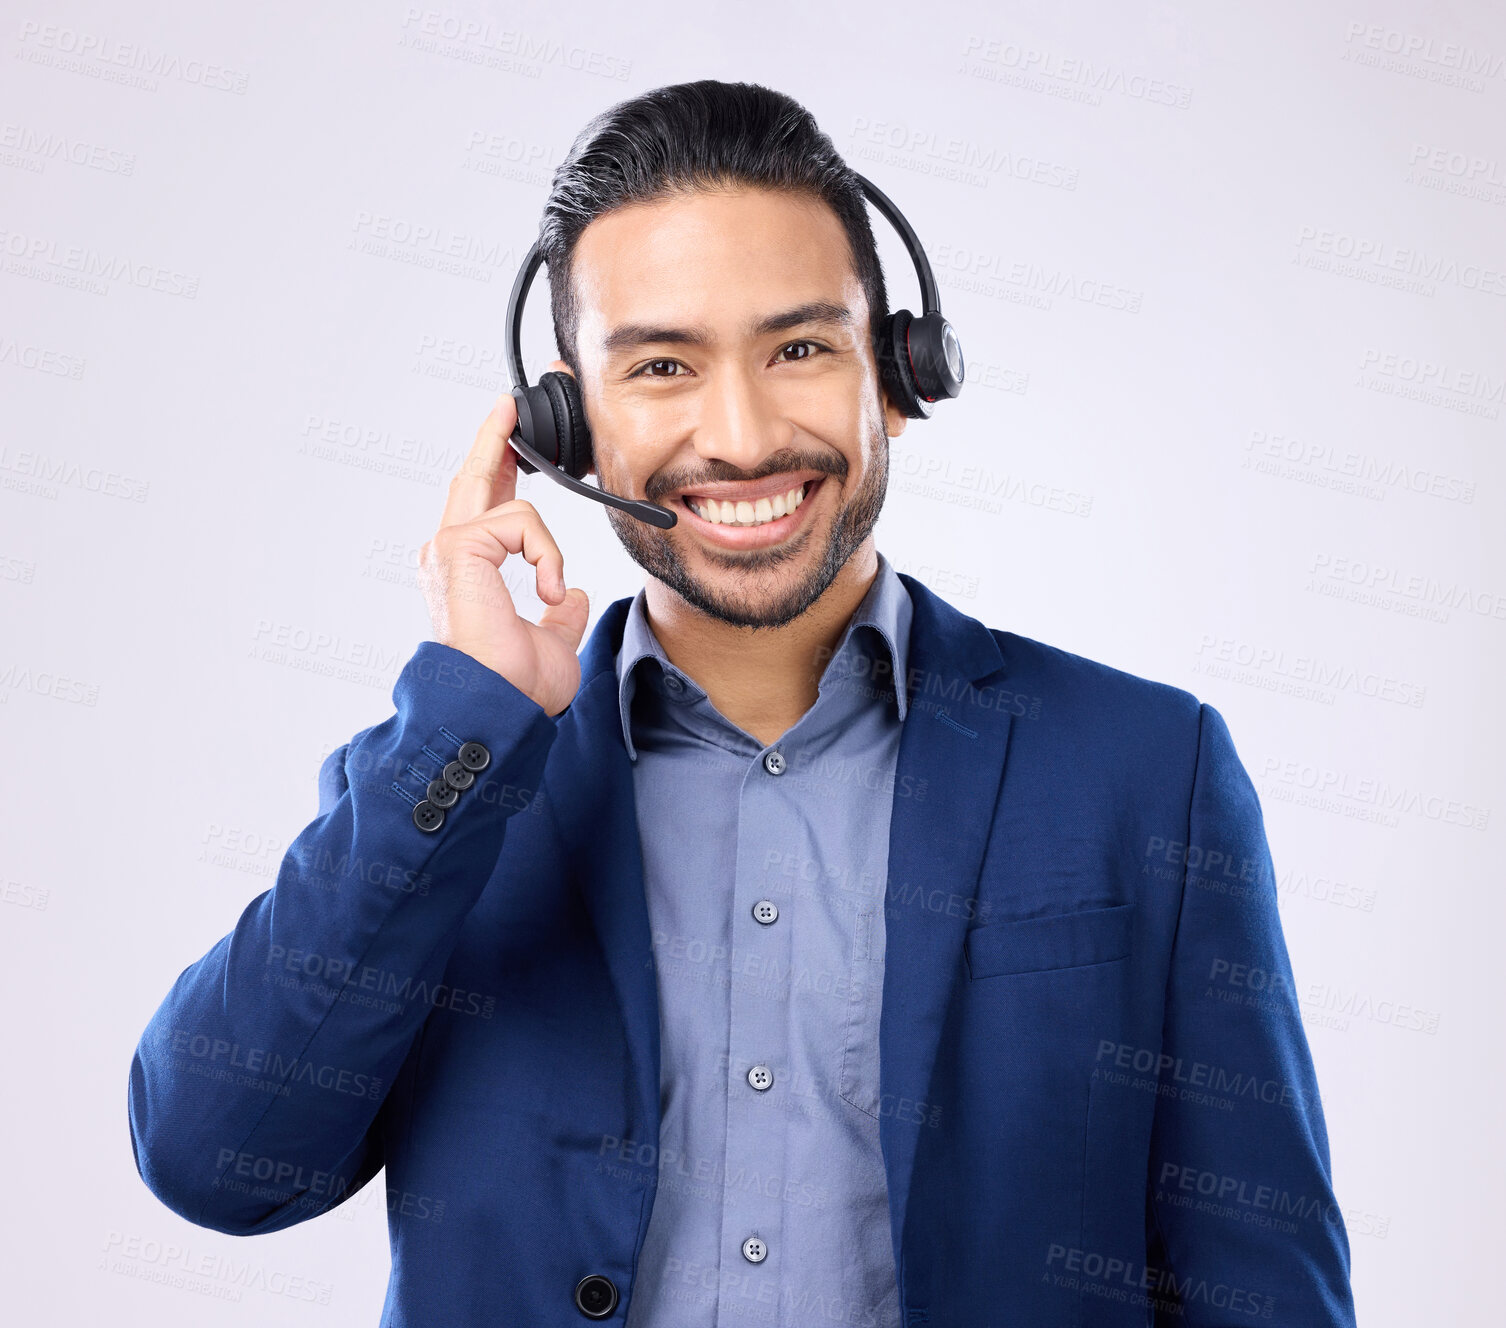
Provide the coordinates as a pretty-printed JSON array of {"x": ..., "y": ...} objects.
[
  {"x": 1095, "y": 708},
  {"x": 1091, "y": 679}
]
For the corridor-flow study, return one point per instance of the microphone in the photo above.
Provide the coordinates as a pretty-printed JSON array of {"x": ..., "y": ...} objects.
[{"x": 533, "y": 460}]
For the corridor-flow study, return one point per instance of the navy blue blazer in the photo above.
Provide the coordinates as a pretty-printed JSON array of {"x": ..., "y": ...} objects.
[{"x": 1091, "y": 1113}]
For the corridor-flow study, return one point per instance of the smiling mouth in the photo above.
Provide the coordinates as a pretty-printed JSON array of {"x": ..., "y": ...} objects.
[{"x": 759, "y": 512}]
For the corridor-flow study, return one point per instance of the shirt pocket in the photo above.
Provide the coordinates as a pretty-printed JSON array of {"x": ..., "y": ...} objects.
[
  {"x": 1056, "y": 941},
  {"x": 859, "y": 1079}
]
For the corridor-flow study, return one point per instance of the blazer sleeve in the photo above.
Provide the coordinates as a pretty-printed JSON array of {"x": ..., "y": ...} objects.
[
  {"x": 1242, "y": 1221},
  {"x": 255, "y": 1089}
]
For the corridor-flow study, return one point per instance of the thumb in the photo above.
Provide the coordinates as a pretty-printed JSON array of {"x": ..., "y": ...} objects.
[{"x": 567, "y": 619}]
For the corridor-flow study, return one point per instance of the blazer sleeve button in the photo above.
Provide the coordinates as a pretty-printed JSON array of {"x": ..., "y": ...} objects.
[
  {"x": 427, "y": 817},
  {"x": 457, "y": 776},
  {"x": 595, "y": 1296},
  {"x": 474, "y": 756},
  {"x": 441, "y": 794}
]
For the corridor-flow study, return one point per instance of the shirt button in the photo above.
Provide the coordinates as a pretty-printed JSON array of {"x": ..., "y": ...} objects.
[
  {"x": 773, "y": 762},
  {"x": 595, "y": 1296},
  {"x": 754, "y": 1250},
  {"x": 673, "y": 682},
  {"x": 761, "y": 1077},
  {"x": 765, "y": 911}
]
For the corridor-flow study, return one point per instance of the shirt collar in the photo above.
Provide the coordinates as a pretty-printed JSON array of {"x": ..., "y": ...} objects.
[{"x": 886, "y": 608}]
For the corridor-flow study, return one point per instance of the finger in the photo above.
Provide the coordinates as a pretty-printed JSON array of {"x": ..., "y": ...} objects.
[
  {"x": 518, "y": 528},
  {"x": 568, "y": 619},
  {"x": 489, "y": 474}
]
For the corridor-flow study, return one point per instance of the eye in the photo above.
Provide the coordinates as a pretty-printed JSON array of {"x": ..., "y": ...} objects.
[
  {"x": 643, "y": 371},
  {"x": 815, "y": 347}
]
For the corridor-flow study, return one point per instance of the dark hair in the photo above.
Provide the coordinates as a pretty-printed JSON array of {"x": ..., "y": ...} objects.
[{"x": 689, "y": 136}]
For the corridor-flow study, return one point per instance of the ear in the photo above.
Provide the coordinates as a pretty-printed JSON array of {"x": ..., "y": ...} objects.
[{"x": 894, "y": 418}]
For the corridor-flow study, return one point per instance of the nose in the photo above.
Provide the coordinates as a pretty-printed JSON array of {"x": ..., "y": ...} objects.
[{"x": 740, "y": 423}]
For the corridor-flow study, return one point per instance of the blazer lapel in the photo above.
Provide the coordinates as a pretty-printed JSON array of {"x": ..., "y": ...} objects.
[
  {"x": 953, "y": 746},
  {"x": 590, "y": 779}
]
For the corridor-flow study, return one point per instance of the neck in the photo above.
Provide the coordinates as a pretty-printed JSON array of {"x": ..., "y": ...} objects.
[{"x": 762, "y": 679}]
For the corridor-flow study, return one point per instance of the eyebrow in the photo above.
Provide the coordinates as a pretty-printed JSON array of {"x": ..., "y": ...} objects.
[{"x": 819, "y": 312}]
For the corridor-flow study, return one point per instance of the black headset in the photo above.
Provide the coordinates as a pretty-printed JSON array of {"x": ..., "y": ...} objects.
[{"x": 920, "y": 362}]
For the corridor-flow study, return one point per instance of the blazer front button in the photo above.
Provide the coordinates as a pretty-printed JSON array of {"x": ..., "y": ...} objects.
[
  {"x": 474, "y": 756},
  {"x": 595, "y": 1296},
  {"x": 427, "y": 817},
  {"x": 457, "y": 776}
]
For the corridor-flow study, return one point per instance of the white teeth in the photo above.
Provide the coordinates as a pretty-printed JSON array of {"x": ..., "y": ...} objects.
[{"x": 745, "y": 513}]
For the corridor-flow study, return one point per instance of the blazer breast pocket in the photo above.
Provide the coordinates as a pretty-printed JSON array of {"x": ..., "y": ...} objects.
[{"x": 1058, "y": 940}]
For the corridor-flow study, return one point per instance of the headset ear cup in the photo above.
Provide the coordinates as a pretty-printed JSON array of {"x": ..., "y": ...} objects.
[
  {"x": 935, "y": 358},
  {"x": 894, "y": 364},
  {"x": 559, "y": 418},
  {"x": 536, "y": 425},
  {"x": 571, "y": 428}
]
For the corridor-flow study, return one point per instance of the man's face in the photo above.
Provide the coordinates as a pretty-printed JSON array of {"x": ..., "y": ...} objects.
[{"x": 725, "y": 356}]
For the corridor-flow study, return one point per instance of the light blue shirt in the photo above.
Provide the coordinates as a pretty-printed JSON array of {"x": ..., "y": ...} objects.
[{"x": 765, "y": 869}]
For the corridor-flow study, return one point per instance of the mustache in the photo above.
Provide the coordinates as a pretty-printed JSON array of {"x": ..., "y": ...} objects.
[{"x": 722, "y": 473}]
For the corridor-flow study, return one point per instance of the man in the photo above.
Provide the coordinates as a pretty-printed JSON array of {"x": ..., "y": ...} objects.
[{"x": 804, "y": 951}]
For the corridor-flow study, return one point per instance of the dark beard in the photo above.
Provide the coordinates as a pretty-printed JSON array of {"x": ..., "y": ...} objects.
[{"x": 654, "y": 552}]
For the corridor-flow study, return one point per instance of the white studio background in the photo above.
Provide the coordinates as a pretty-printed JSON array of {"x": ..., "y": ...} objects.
[{"x": 1232, "y": 287}]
